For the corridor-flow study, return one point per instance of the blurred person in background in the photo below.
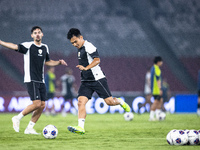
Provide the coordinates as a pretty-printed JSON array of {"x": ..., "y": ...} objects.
[
  {"x": 36, "y": 55},
  {"x": 50, "y": 82},
  {"x": 68, "y": 88},
  {"x": 147, "y": 89},
  {"x": 156, "y": 88}
]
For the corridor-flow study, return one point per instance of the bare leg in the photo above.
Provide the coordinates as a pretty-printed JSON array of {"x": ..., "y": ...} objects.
[
  {"x": 37, "y": 113},
  {"x": 36, "y": 107},
  {"x": 112, "y": 101},
  {"x": 155, "y": 105},
  {"x": 82, "y": 100},
  {"x": 160, "y": 104},
  {"x": 36, "y": 104}
]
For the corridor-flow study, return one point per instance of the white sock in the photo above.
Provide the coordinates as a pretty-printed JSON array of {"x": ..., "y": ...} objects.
[
  {"x": 31, "y": 124},
  {"x": 152, "y": 114},
  {"x": 81, "y": 122},
  {"x": 20, "y": 116}
]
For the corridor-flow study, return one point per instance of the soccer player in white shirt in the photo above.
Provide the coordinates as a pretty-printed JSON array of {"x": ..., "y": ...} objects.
[
  {"x": 92, "y": 79},
  {"x": 36, "y": 55}
]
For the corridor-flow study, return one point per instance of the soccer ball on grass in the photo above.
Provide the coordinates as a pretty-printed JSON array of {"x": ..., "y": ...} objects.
[
  {"x": 128, "y": 116},
  {"x": 179, "y": 137},
  {"x": 193, "y": 137},
  {"x": 161, "y": 116},
  {"x": 168, "y": 137},
  {"x": 50, "y": 132}
]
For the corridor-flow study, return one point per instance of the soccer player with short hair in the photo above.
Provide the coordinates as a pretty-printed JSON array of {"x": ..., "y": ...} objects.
[
  {"x": 92, "y": 79},
  {"x": 36, "y": 54},
  {"x": 156, "y": 88}
]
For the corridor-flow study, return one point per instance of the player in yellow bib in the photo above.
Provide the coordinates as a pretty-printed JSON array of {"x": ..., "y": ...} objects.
[{"x": 156, "y": 88}]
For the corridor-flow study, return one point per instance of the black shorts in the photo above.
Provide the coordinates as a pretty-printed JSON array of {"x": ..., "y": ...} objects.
[
  {"x": 157, "y": 97},
  {"x": 87, "y": 88},
  {"x": 36, "y": 90},
  {"x": 198, "y": 93}
]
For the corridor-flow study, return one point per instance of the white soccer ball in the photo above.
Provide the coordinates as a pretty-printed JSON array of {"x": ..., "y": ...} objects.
[
  {"x": 179, "y": 137},
  {"x": 128, "y": 116},
  {"x": 193, "y": 137},
  {"x": 186, "y": 130},
  {"x": 50, "y": 132},
  {"x": 168, "y": 137},
  {"x": 161, "y": 116}
]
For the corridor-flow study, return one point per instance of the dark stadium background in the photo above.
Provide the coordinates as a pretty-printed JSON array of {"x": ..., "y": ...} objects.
[{"x": 127, "y": 33}]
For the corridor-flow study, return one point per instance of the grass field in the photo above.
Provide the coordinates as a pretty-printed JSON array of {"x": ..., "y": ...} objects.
[{"x": 103, "y": 132}]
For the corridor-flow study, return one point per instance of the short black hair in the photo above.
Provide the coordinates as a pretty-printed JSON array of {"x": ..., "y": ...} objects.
[
  {"x": 73, "y": 32},
  {"x": 35, "y": 27},
  {"x": 157, "y": 59}
]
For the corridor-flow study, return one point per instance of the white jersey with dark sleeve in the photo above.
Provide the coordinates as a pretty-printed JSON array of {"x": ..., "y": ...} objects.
[
  {"x": 86, "y": 55},
  {"x": 34, "y": 59}
]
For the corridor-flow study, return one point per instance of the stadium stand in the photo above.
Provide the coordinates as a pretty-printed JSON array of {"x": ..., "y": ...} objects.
[
  {"x": 114, "y": 25},
  {"x": 192, "y": 65},
  {"x": 8, "y": 84},
  {"x": 178, "y": 21},
  {"x": 115, "y": 30},
  {"x": 15, "y": 58}
]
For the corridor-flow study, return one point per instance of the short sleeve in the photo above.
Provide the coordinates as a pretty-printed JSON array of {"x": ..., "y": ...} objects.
[
  {"x": 47, "y": 55},
  {"x": 91, "y": 50},
  {"x": 23, "y": 47},
  {"x": 95, "y": 54}
]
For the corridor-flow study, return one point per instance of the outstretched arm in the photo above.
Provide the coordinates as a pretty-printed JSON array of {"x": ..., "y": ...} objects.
[
  {"x": 55, "y": 63},
  {"x": 9, "y": 45}
]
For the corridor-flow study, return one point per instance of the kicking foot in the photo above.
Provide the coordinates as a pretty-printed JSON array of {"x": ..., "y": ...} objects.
[
  {"x": 76, "y": 129},
  {"x": 30, "y": 131},
  {"x": 125, "y": 106},
  {"x": 16, "y": 123}
]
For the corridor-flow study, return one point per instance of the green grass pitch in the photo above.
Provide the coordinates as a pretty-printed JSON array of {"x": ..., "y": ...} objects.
[{"x": 103, "y": 132}]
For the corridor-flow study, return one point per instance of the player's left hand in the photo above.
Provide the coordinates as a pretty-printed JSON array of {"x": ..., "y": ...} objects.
[
  {"x": 62, "y": 62},
  {"x": 81, "y": 67}
]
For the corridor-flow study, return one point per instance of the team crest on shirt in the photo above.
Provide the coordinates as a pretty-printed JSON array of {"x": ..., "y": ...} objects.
[{"x": 39, "y": 52}]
